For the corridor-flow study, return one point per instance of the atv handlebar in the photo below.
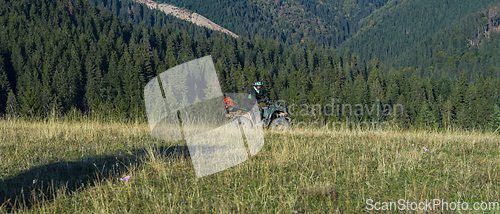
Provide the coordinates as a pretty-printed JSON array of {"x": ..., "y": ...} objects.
[{"x": 265, "y": 101}]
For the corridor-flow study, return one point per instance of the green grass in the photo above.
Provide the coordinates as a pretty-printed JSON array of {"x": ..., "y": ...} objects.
[{"x": 75, "y": 167}]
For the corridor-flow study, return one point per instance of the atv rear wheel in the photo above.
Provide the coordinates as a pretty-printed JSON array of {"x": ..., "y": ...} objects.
[
  {"x": 280, "y": 125},
  {"x": 244, "y": 122}
]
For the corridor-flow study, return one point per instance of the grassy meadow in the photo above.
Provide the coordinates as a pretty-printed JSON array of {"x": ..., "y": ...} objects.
[{"x": 75, "y": 167}]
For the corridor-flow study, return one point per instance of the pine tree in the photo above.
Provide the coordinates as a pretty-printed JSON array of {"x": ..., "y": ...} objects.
[
  {"x": 426, "y": 118},
  {"x": 484, "y": 101},
  {"x": 416, "y": 94},
  {"x": 30, "y": 104},
  {"x": 55, "y": 107},
  {"x": 4, "y": 88},
  {"x": 12, "y": 108},
  {"x": 399, "y": 117},
  {"x": 375, "y": 80},
  {"x": 392, "y": 93},
  {"x": 460, "y": 107},
  {"x": 125, "y": 98},
  {"x": 444, "y": 86},
  {"x": 93, "y": 85},
  {"x": 494, "y": 123},
  {"x": 361, "y": 93},
  {"x": 169, "y": 60}
]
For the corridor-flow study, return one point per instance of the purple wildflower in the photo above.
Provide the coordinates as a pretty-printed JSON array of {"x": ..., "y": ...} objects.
[{"x": 126, "y": 178}]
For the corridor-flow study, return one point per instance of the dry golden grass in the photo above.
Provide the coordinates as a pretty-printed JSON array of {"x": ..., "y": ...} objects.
[{"x": 67, "y": 167}]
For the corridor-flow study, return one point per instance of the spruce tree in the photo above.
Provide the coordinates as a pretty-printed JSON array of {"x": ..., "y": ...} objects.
[
  {"x": 494, "y": 123},
  {"x": 460, "y": 107},
  {"x": 12, "y": 108},
  {"x": 4, "y": 89},
  {"x": 426, "y": 118},
  {"x": 30, "y": 104}
]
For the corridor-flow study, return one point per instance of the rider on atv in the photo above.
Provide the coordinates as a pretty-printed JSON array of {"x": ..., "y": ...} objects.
[
  {"x": 250, "y": 114},
  {"x": 255, "y": 94}
]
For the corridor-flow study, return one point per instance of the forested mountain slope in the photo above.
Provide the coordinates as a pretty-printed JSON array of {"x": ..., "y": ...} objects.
[
  {"x": 63, "y": 55},
  {"x": 423, "y": 34},
  {"x": 294, "y": 21},
  {"x": 472, "y": 45},
  {"x": 186, "y": 15},
  {"x": 393, "y": 33},
  {"x": 82, "y": 59}
]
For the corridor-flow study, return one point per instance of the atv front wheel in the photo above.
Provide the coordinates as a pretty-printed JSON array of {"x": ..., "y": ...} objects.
[{"x": 280, "y": 125}]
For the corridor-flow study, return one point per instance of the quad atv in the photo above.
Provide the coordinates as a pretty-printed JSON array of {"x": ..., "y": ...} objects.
[{"x": 272, "y": 116}]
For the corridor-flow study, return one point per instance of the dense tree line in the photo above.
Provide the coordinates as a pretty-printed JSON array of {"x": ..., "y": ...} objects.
[
  {"x": 295, "y": 21},
  {"x": 82, "y": 59},
  {"x": 412, "y": 33},
  {"x": 64, "y": 55},
  {"x": 471, "y": 46},
  {"x": 432, "y": 36}
]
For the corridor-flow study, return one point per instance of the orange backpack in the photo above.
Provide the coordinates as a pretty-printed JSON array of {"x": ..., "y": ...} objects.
[{"x": 228, "y": 102}]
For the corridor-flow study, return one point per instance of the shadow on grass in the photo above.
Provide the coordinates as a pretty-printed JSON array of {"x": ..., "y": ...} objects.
[{"x": 30, "y": 187}]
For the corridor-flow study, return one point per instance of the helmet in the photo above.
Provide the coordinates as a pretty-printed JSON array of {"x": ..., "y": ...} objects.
[{"x": 257, "y": 84}]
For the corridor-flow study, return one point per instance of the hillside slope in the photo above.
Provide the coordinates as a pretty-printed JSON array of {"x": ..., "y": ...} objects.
[
  {"x": 186, "y": 15},
  {"x": 471, "y": 45},
  {"x": 295, "y": 21},
  {"x": 389, "y": 32},
  {"x": 392, "y": 31}
]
